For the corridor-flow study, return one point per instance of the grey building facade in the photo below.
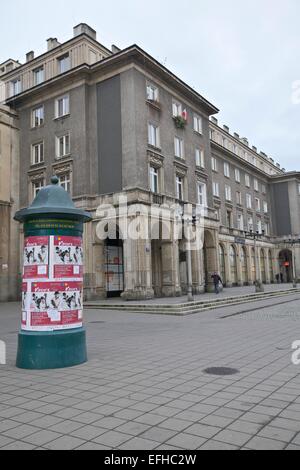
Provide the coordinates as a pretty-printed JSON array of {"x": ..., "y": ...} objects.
[{"x": 115, "y": 123}]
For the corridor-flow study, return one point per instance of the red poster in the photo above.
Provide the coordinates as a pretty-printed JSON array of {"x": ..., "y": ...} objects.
[
  {"x": 67, "y": 258},
  {"x": 55, "y": 305},
  {"x": 25, "y": 296},
  {"x": 36, "y": 258}
]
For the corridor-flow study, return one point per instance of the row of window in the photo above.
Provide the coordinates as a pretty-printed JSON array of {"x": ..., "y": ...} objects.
[
  {"x": 237, "y": 175},
  {"x": 61, "y": 109},
  {"x": 64, "y": 181},
  {"x": 239, "y": 201},
  {"x": 63, "y": 65},
  {"x": 154, "y": 141},
  {"x": 62, "y": 146},
  {"x": 243, "y": 225}
]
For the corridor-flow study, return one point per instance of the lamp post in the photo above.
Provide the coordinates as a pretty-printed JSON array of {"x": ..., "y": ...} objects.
[
  {"x": 256, "y": 236},
  {"x": 292, "y": 242}
]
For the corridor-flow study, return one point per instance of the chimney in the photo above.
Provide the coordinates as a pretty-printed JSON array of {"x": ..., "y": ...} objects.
[
  {"x": 84, "y": 28},
  {"x": 52, "y": 43},
  {"x": 245, "y": 141},
  {"x": 226, "y": 128},
  {"x": 214, "y": 120},
  {"x": 115, "y": 49},
  {"x": 254, "y": 148},
  {"x": 29, "y": 56},
  {"x": 278, "y": 165},
  {"x": 236, "y": 136}
]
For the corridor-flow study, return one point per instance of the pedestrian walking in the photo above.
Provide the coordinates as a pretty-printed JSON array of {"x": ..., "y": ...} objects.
[{"x": 217, "y": 281}]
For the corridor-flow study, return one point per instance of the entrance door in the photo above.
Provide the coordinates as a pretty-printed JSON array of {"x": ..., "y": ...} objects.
[{"x": 114, "y": 268}]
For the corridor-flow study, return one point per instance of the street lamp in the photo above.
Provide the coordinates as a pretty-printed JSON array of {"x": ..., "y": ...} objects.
[
  {"x": 256, "y": 236},
  {"x": 293, "y": 242}
]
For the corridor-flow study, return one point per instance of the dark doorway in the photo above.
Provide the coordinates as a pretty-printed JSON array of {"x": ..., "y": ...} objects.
[{"x": 114, "y": 267}]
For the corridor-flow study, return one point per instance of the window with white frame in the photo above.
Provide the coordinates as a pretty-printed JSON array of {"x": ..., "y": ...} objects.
[
  {"x": 63, "y": 145},
  {"x": 37, "y": 185},
  {"x": 247, "y": 181},
  {"x": 154, "y": 182},
  {"x": 37, "y": 153},
  {"x": 267, "y": 228},
  {"x": 39, "y": 76},
  {"x": 224, "y": 142},
  {"x": 263, "y": 189},
  {"x": 227, "y": 193},
  {"x": 250, "y": 223},
  {"x": 62, "y": 106},
  {"x": 200, "y": 158},
  {"x": 257, "y": 204},
  {"x": 179, "y": 147},
  {"x": 226, "y": 170},
  {"x": 255, "y": 184},
  {"x": 239, "y": 198},
  {"x": 179, "y": 187},
  {"x": 152, "y": 92},
  {"x": 266, "y": 207},
  {"x": 237, "y": 175},
  {"x": 37, "y": 117},
  {"x": 248, "y": 201},
  {"x": 214, "y": 164},
  {"x": 177, "y": 109},
  {"x": 216, "y": 189},
  {"x": 65, "y": 181},
  {"x": 197, "y": 124},
  {"x": 240, "y": 221},
  {"x": 202, "y": 194},
  {"x": 15, "y": 87},
  {"x": 64, "y": 63},
  {"x": 153, "y": 135}
]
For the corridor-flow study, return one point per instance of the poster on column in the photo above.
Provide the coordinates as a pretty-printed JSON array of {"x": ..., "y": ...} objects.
[
  {"x": 36, "y": 258},
  {"x": 55, "y": 306},
  {"x": 25, "y": 297},
  {"x": 67, "y": 257}
]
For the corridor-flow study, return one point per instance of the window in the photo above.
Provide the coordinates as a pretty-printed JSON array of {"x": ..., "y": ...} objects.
[
  {"x": 248, "y": 201},
  {"x": 267, "y": 228},
  {"x": 214, "y": 164},
  {"x": 64, "y": 63},
  {"x": 15, "y": 87},
  {"x": 266, "y": 208},
  {"x": 259, "y": 226},
  {"x": 37, "y": 186},
  {"x": 237, "y": 175},
  {"x": 227, "y": 170},
  {"x": 216, "y": 189},
  {"x": 240, "y": 222},
  {"x": 200, "y": 158},
  {"x": 224, "y": 142},
  {"x": 250, "y": 223},
  {"x": 239, "y": 198},
  {"x": 227, "y": 193},
  {"x": 197, "y": 124},
  {"x": 37, "y": 117},
  {"x": 257, "y": 204},
  {"x": 65, "y": 181},
  {"x": 263, "y": 189},
  {"x": 255, "y": 182},
  {"x": 179, "y": 188},
  {"x": 154, "y": 179},
  {"x": 202, "y": 194},
  {"x": 228, "y": 219},
  {"x": 39, "y": 76},
  {"x": 179, "y": 147},
  {"x": 247, "y": 181},
  {"x": 62, "y": 106},
  {"x": 152, "y": 92},
  {"x": 153, "y": 135},
  {"x": 177, "y": 109},
  {"x": 63, "y": 145},
  {"x": 37, "y": 153}
]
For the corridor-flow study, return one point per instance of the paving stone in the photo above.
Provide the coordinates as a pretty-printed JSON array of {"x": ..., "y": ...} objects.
[
  {"x": 65, "y": 443},
  {"x": 186, "y": 441},
  {"x": 139, "y": 444},
  {"x": 42, "y": 437},
  {"x": 277, "y": 434},
  {"x": 233, "y": 437},
  {"x": 113, "y": 439},
  {"x": 203, "y": 430},
  {"x": 261, "y": 443},
  {"x": 175, "y": 424}
]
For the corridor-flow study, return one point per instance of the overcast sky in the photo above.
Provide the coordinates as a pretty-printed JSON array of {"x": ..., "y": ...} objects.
[{"x": 243, "y": 58}]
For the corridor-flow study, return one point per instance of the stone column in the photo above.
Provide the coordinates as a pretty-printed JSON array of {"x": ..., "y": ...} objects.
[
  {"x": 227, "y": 265},
  {"x": 267, "y": 265},
  {"x": 198, "y": 273},
  {"x": 239, "y": 266},
  {"x": 170, "y": 268}
]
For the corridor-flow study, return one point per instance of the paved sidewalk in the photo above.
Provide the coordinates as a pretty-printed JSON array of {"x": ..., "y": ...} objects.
[{"x": 144, "y": 386}]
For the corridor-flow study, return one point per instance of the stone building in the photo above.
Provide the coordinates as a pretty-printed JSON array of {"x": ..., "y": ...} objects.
[
  {"x": 116, "y": 124},
  {"x": 9, "y": 199}
]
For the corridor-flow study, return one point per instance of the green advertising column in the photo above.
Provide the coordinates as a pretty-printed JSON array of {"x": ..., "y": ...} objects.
[{"x": 52, "y": 335}]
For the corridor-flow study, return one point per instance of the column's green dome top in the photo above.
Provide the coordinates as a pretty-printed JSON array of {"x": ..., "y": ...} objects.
[{"x": 53, "y": 200}]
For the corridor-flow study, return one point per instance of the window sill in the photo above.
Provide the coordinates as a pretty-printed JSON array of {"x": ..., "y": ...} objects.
[
  {"x": 37, "y": 127},
  {"x": 37, "y": 165},
  {"x": 199, "y": 134},
  {"x": 154, "y": 104},
  {"x": 61, "y": 118},
  {"x": 153, "y": 147}
]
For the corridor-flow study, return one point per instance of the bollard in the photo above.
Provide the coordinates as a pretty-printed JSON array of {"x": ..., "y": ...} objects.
[{"x": 52, "y": 335}]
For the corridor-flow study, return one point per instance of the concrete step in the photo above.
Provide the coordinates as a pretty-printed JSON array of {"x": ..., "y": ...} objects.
[{"x": 189, "y": 308}]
